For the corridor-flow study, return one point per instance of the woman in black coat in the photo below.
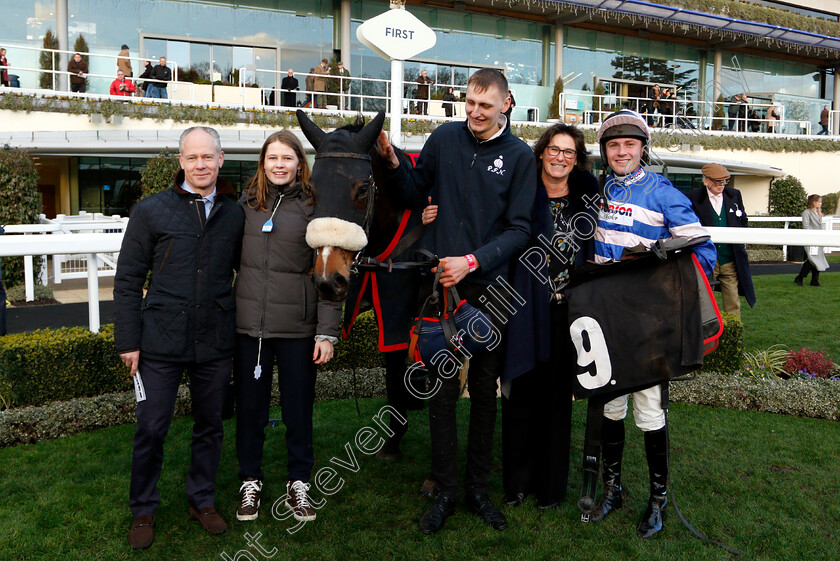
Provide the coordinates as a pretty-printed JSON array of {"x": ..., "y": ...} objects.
[{"x": 540, "y": 358}]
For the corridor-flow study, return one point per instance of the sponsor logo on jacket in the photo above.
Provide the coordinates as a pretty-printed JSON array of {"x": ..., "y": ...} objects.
[
  {"x": 498, "y": 166},
  {"x": 617, "y": 213}
]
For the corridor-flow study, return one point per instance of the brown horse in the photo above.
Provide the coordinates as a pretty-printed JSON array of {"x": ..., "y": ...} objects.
[
  {"x": 346, "y": 197},
  {"x": 359, "y": 224}
]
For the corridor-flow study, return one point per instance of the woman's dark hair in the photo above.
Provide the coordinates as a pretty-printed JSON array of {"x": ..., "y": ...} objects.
[
  {"x": 812, "y": 200},
  {"x": 582, "y": 160},
  {"x": 258, "y": 186}
]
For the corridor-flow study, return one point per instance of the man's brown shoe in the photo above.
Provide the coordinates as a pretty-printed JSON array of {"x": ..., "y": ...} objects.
[
  {"x": 210, "y": 520},
  {"x": 142, "y": 532}
]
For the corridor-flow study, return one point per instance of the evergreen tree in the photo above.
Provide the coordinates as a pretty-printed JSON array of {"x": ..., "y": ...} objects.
[{"x": 48, "y": 61}]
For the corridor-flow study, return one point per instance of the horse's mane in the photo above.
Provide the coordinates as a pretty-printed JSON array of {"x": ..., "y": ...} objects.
[{"x": 354, "y": 127}]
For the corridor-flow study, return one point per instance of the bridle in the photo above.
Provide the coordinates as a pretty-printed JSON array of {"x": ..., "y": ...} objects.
[
  {"x": 366, "y": 262},
  {"x": 372, "y": 192}
]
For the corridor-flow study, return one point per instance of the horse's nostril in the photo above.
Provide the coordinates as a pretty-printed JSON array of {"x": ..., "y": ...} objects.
[{"x": 340, "y": 283}]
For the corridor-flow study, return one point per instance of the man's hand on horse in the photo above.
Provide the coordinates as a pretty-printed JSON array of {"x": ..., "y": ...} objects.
[
  {"x": 386, "y": 150},
  {"x": 454, "y": 270},
  {"x": 429, "y": 213}
]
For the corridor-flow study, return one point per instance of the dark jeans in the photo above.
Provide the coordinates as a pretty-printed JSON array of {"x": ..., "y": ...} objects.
[
  {"x": 78, "y": 88},
  {"x": 422, "y": 107},
  {"x": 484, "y": 370},
  {"x": 807, "y": 267},
  {"x": 296, "y": 380},
  {"x": 537, "y": 421},
  {"x": 154, "y": 415},
  {"x": 824, "y": 129}
]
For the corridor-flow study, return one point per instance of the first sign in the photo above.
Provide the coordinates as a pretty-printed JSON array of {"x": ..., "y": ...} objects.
[{"x": 396, "y": 35}]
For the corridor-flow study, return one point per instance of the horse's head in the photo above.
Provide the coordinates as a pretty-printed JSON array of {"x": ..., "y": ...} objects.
[{"x": 342, "y": 178}]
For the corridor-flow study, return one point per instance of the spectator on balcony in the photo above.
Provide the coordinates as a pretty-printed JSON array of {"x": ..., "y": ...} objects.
[
  {"x": 423, "y": 83},
  {"x": 78, "y": 70},
  {"x": 4, "y": 68},
  {"x": 289, "y": 85},
  {"x": 448, "y": 99},
  {"x": 121, "y": 86},
  {"x": 123, "y": 62},
  {"x": 343, "y": 83},
  {"x": 147, "y": 73},
  {"x": 310, "y": 87},
  {"x": 320, "y": 84},
  {"x": 774, "y": 115},
  {"x": 161, "y": 74},
  {"x": 824, "y": 120}
]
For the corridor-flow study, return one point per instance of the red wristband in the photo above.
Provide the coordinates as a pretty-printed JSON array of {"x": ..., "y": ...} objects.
[{"x": 471, "y": 262}]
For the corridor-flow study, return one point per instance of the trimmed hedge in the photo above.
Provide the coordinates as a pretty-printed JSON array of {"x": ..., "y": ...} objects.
[
  {"x": 729, "y": 354},
  {"x": 59, "y": 364},
  {"x": 360, "y": 350},
  {"x": 817, "y": 398}
]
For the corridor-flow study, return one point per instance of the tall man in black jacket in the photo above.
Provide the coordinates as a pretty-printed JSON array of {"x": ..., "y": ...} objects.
[
  {"x": 484, "y": 180},
  {"x": 189, "y": 238}
]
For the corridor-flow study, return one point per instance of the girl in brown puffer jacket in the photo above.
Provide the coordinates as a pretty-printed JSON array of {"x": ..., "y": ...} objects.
[{"x": 279, "y": 320}]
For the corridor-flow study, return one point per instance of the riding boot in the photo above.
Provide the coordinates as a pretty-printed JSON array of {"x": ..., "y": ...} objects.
[
  {"x": 612, "y": 448},
  {"x": 656, "y": 450}
]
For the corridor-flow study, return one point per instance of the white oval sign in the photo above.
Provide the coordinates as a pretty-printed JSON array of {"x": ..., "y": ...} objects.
[{"x": 396, "y": 34}]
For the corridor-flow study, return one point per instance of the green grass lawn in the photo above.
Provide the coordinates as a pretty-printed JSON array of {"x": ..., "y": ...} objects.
[
  {"x": 794, "y": 316},
  {"x": 764, "y": 484}
]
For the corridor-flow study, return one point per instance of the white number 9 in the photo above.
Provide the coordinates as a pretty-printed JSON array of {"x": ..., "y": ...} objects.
[{"x": 596, "y": 357}]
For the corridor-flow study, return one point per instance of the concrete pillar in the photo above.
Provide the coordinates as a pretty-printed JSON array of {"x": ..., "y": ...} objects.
[
  {"x": 558, "y": 49},
  {"x": 546, "y": 79},
  {"x": 716, "y": 77},
  {"x": 63, "y": 43},
  {"x": 835, "y": 103},
  {"x": 345, "y": 33}
]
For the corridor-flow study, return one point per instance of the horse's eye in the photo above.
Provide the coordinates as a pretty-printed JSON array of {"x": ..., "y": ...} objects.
[{"x": 363, "y": 189}]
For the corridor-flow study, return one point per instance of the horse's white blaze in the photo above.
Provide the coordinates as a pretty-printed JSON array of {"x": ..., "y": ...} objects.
[{"x": 325, "y": 254}]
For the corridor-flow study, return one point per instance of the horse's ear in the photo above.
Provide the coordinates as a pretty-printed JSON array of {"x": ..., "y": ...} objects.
[
  {"x": 311, "y": 131},
  {"x": 367, "y": 136}
]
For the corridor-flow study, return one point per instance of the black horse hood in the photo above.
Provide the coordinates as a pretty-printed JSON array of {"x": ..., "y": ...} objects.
[{"x": 344, "y": 200}]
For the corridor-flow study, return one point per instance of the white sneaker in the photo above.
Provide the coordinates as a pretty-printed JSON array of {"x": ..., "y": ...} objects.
[
  {"x": 250, "y": 503},
  {"x": 298, "y": 501}
]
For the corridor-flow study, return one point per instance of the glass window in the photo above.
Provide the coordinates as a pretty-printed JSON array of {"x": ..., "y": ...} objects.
[{"x": 222, "y": 63}]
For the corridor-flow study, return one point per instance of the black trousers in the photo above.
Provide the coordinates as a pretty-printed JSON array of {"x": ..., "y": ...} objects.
[
  {"x": 208, "y": 381},
  {"x": 79, "y": 88},
  {"x": 537, "y": 421},
  {"x": 484, "y": 370},
  {"x": 807, "y": 267},
  {"x": 296, "y": 380}
]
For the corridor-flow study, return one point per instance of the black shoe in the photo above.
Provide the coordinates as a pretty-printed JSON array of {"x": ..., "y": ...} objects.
[
  {"x": 653, "y": 520},
  {"x": 515, "y": 499},
  {"x": 434, "y": 517},
  {"x": 481, "y": 505},
  {"x": 797, "y": 281},
  {"x": 547, "y": 505}
]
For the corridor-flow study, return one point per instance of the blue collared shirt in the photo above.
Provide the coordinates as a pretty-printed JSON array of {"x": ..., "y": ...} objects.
[{"x": 209, "y": 200}]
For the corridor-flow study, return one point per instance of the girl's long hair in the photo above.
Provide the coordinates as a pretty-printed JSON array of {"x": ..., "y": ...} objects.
[{"x": 257, "y": 189}]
